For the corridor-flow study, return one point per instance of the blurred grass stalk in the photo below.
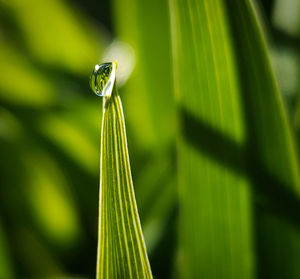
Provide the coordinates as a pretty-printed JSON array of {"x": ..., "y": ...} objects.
[{"x": 149, "y": 111}]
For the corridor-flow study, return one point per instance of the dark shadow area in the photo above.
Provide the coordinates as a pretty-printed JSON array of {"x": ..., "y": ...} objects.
[
  {"x": 270, "y": 194},
  {"x": 212, "y": 142},
  {"x": 162, "y": 259},
  {"x": 284, "y": 39},
  {"x": 267, "y": 6}
]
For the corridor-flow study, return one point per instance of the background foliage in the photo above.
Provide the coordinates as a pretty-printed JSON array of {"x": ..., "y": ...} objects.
[{"x": 212, "y": 133}]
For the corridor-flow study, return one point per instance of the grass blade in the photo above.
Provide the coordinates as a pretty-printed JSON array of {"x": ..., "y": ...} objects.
[
  {"x": 234, "y": 134},
  {"x": 274, "y": 167},
  {"x": 266, "y": 118},
  {"x": 121, "y": 247},
  {"x": 215, "y": 219}
]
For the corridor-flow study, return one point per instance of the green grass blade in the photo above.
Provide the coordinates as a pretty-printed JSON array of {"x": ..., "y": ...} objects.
[
  {"x": 271, "y": 148},
  {"x": 216, "y": 238},
  {"x": 266, "y": 117},
  {"x": 121, "y": 247},
  {"x": 234, "y": 134}
]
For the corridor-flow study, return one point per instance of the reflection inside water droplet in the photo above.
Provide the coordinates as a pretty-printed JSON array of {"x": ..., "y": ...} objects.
[{"x": 103, "y": 78}]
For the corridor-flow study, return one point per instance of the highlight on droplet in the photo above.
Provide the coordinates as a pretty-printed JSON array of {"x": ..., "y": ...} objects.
[{"x": 103, "y": 78}]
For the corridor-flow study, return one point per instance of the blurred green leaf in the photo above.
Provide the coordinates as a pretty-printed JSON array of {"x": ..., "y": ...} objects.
[
  {"x": 148, "y": 92},
  {"x": 150, "y": 114},
  {"x": 72, "y": 142},
  {"x": 273, "y": 161},
  {"x": 46, "y": 189},
  {"x": 54, "y": 33},
  {"x": 49, "y": 198},
  {"x": 216, "y": 238},
  {"x": 121, "y": 248},
  {"x": 48, "y": 137},
  {"x": 267, "y": 124},
  {"x": 21, "y": 83},
  {"x": 234, "y": 133}
]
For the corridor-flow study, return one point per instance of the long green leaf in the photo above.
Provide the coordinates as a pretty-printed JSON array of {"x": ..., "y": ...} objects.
[
  {"x": 234, "y": 134},
  {"x": 274, "y": 167},
  {"x": 215, "y": 218},
  {"x": 121, "y": 247}
]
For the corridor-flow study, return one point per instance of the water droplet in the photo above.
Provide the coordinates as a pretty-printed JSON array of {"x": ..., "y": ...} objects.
[{"x": 103, "y": 78}]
